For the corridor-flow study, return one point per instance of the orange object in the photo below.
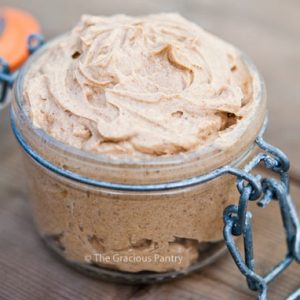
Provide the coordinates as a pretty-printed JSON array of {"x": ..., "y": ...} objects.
[{"x": 18, "y": 25}]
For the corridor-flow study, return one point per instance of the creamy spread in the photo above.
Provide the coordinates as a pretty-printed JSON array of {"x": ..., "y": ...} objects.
[
  {"x": 151, "y": 85},
  {"x": 148, "y": 86}
]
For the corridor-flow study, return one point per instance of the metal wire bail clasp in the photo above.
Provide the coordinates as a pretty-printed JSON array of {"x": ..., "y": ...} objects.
[
  {"x": 237, "y": 219},
  {"x": 7, "y": 78}
]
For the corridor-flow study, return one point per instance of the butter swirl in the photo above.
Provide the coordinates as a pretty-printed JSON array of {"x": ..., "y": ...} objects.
[{"x": 154, "y": 85}]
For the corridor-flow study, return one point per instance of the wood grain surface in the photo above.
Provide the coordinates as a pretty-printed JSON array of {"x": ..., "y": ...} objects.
[{"x": 268, "y": 31}]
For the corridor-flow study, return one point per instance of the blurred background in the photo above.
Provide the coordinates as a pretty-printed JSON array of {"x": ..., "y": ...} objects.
[{"x": 269, "y": 32}]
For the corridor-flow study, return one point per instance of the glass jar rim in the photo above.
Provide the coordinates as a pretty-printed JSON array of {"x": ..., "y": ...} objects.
[
  {"x": 207, "y": 150},
  {"x": 171, "y": 185}
]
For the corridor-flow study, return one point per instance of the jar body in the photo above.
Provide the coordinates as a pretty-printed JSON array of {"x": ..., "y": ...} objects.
[{"x": 129, "y": 231}]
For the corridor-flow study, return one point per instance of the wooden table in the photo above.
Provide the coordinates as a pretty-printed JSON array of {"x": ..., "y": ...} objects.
[{"x": 269, "y": 31}]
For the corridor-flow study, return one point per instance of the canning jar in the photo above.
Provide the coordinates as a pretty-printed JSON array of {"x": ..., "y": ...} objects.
[{"x": 131, "y": 220}]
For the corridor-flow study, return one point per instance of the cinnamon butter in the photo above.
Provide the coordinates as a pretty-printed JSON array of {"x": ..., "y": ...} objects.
[
  {"x": 136, "y": 100},
  {"x": 154, "y": 85}
]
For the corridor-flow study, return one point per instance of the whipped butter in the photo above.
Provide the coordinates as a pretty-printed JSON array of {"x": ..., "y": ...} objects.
[
  {"x": 152, "y": 85},
  {"x": 156, "y": 87}
]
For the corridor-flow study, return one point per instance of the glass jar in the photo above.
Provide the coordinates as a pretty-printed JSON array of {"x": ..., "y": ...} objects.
[{"x": 128, "y": 220}]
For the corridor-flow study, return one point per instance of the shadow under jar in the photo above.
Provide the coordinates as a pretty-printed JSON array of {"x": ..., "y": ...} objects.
[{"x": 85, "y": 214}]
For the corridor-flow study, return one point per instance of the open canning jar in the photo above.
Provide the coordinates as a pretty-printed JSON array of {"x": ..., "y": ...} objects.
[{"x": 128, "y": 220}]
